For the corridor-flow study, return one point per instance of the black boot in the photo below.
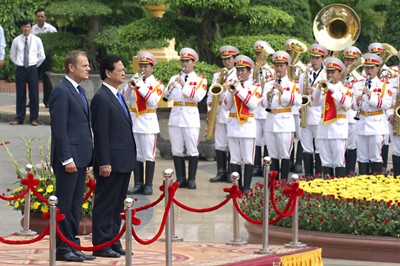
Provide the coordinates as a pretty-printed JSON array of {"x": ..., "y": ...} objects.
[
  {"x": 285, "y": 167},
  {"x": 248, "y": 175},
  {"x": 237, "y": 168},
  {"x": 193, "y": 162},
  {"x": 318, "y": 165},
  {"x": 363, "y": 168},
  {"x": 265, "y": 151},
  {"x": 257, "y": 162},
  {"x": 180, "y": 170},
  {"x": 148, "y": 188},
  {"x": 298, "y": 167},
  {"x": 308, "y": 164},
  {"x": 396, "y": 165},
  {"x": 351, "y": 158},
  {"x": 228, "y": 160},
  {"x": 138, "y": 178},
  {"x": 291, "y": 161},
  {"x": 340, "y": 171},
  {"x": 275, "y": 167},
  {"x": 327, "y": 171},
  {"x": 385, "y": 154},
  {"x": 377, "y": 168},
  {"x": 221, "y": 167}
]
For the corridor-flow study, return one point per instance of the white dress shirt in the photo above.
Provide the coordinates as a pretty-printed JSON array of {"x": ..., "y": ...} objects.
[
  {"x": 2, "y": 44},
  {"x": 47, "y": 28},
  {"x": 36, "y": 50}
]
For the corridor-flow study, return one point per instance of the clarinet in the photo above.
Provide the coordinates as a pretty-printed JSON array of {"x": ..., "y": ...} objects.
[
  {"x": 268, "y": 109},
  {"x": 357, "y": 117}
]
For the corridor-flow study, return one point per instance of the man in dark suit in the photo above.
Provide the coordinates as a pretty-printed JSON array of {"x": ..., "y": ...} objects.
[
  {"x": 115, "y": 156},
  {"x": 71, "y": 149}
]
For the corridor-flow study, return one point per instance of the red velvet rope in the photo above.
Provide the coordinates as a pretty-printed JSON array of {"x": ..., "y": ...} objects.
[
  {"x": 292, "y": 197},
  {"x": 27, "y": 241},
  {"x": 209, "y": 209},
  {"x": 93, "y": 248},
  {"x": 20, "y": 195},
  {"x": 91, "y": 184},
  {"x": 171, "y": 192},
  {"x": 145, "y": 207}
]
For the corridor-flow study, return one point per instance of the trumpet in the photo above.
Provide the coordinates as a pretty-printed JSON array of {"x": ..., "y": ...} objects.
[
  {"x": 278, "y": 77},
  {"x": 232, "y": 86},
  {"x": 135, "y": 79},
  {"x": 357, "y": 117},
  {"x": 172, "y": 86}
]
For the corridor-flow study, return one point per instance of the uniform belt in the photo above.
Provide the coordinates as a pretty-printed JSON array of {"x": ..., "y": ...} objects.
[
  {"x": 278, "y": 111},
  {"x": 185, "y": 104},
  {"x": 338, "y": 116},
  {"x": 379, "y": 112},
  {"x": 147, "y": 111},
  {"x": 234, "y": 115}
]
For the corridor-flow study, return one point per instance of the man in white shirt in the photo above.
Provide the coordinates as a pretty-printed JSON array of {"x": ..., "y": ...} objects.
[
  {"x": 27, "y": 54},
  {"x": 41, "y": 27},
  {"x": 2, "y": 47}
]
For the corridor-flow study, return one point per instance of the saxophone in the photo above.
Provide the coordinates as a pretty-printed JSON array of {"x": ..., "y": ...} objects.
[
  {"x": 215, "y": 90},
  {"x": 396, "y": 125},
  {"x": 305, "y": 100}
]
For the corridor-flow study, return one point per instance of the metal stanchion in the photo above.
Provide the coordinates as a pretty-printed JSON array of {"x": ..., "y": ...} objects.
[
  {"x": 265, "y": 249},
  {"x": 128, "y": 233},
  {"x": 174, "y": 238},
  {"x": 53, "y": 200},
  {"x": 295, "y": 221},
  {"x": 236, "y": 235},
  {"x": 168, "y": 176},
  {"x": 27, "y": 210}
]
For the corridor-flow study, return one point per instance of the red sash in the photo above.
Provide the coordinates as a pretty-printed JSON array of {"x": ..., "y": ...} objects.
[
  {"x": 330, "y": 114},
  {"x": 242, "y": 111},
  {"x": 140, "y": 102}
]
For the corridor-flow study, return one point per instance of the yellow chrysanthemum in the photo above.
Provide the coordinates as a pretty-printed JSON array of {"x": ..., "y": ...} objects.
[
  {"x": 35, "y": 205},
  {"x": 50, "y": 189},
  {"x": 85, "y": 205},
  {"x": 16, "y": 204},
  {"x": 18, "y": 189},
  {"x": 40, "y": 190},
  {"x": 44, "y": 208}
]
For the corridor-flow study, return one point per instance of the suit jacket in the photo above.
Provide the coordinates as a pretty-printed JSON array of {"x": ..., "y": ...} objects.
[
  {"x": 113, "y": 137},
  {"x": 70, "y": 127}
]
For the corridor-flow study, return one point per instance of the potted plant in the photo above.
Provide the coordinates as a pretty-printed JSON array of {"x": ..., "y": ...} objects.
[{"x": 46, "y": 187}]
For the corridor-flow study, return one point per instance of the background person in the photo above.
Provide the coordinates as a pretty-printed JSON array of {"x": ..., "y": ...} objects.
[
  {"x": 2, "y": 47},
  {"x": 27, "y": 54}
]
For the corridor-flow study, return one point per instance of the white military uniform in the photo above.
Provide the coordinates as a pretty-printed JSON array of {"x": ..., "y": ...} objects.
[
  {"x": 372, "y": 126},
  {"x": 184, "y": 119},
  {"x": 395, "y": 140},
  {"x": 143, "y": 102},
  {"x": 220, "y": 137},
  {"x": 280, "y": 124},
  {"x": 242, "y": 134},
  {"x": 309, "y": 134},
  {"x": 332, "y": 134}
]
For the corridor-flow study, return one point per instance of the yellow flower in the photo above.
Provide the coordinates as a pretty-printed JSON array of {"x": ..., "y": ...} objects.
[
  {"x": 35, "y": 205},
  {"x": 85, "y": 205},
  {"x": 50, "y": 189},
  {"x": 40, "y": 190},
  {"x": 44, "y": 209},
  {"x": 18, "y": 189},
  {"x": 16, "y": 204}
]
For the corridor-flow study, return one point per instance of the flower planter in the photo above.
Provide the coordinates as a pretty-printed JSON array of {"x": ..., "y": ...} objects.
[
  {"x": 38, "y": 224},
  {"x": 338, "y": 246}
]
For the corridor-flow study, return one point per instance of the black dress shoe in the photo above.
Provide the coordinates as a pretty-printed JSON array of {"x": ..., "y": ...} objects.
[
  {"x": 84, "y": 256},
  {"x": 120, "y": 251},
  {"x": 70, "y": 256},
  {"x": 108, "y": 253}
]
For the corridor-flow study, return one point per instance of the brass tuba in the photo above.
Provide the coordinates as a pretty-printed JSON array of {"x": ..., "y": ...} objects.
[
  {"x": 359, "y": 62},
  {"x": 336, "y": 27},
  {"x": 215, "y": 90},
  {"x": 388, "y": 52},
  {"x": 297, "y": 49},
  {"x": 396, "y": 125}
]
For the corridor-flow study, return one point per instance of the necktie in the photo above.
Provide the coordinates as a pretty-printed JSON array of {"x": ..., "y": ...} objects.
[
  {"x": 121, "y": 101},
  {"x": 279, "y": 81},
  {"x": 315, "y": 75},
  {"x": 82, "y": 94},
  {"x": 186, "y": 78},
  {"x": 26, "y": 53},
  {"x": 369, "y": 84}
]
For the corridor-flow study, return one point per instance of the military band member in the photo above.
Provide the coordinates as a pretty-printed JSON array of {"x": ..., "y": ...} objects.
[
  {"x": 333, "y": 128},
  {"x": 351, "y": 54},
  {"x": 279, "y": 97},
  {"x": 308, "y": 135},
  {"x": 187, "y": 89},
  {"x": 143, "y": 99},
  {"x": 373, "y": 97},
  {"x": 228, "y": 54},
  {"x": 266, "y": 73},
  {"x": 392, "y": 113},
  {"x": 241, "y": 101},
  {"x": 378, "y": 49},
  {"x": 296, "y": 166}
]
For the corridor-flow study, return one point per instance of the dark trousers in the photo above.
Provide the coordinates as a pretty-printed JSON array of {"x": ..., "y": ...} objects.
[
  {"x": 42, "y": 69},
  {"x": 23, "y": 76},
  {"x": 70, "y": 194},
  {"x": 109, "y": 196}
]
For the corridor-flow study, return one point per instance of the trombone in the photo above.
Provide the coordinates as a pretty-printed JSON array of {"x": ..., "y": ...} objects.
[{"x": 172, "y": 86}]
